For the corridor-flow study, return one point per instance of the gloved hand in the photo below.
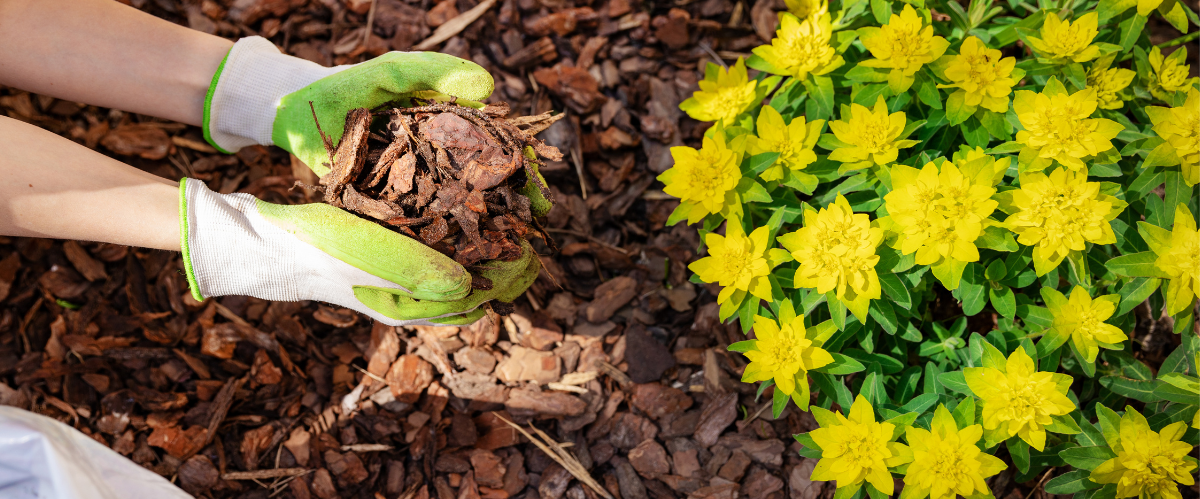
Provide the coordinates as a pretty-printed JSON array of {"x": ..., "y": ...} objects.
[
  {"x": 235, "y": 244},
  {"x": 261, "y": 96}
]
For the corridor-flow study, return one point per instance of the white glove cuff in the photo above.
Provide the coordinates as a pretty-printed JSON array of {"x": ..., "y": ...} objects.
[
  {"x": 229, "y": 248},
  {"x": 240, "y": 109}
]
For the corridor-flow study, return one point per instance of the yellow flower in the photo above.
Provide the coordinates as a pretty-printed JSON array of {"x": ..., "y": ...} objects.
[
  {"x": 721, "y": 98},
  {"x": 981, "y": 76},
  {"x": 939, "y": 213},
  {"x": 1057, "y": 127},
  {"x": 1062, "y": 42},
  {"x": 872, "y": 136},
  {"x": 1018, "y": 399},
  {"x": 1149, "y": 464},
  {"x": 704, "y": 180},
  {"x": 1109, "y": 83},
  {"x": 1180, "y": 128},
  {"x": 1081, "y": 320},
  {"x": 1178, "y": 257},
  {"x": 740, "y": 264},
  {"x": 947, "y": 462},
  {"x": 801, "y": 47},
  {"x": 857, "y": 449},
  {"x": 794, "y": 142},
  {"x": 1170, "y": 73},
  {"x": 1059, "y": 214},
  {"x": 903, "y": 45},
  {"x": 836, "y": 252},
  {"x": 785, "y": 351},
  {"x": 805, "y": 9}
]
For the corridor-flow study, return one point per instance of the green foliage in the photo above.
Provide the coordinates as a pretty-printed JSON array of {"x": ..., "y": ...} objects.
[{"x": 912, "y": 311}]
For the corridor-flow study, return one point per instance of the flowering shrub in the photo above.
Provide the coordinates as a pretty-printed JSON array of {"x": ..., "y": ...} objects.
[{"x": 935, "y": 225}]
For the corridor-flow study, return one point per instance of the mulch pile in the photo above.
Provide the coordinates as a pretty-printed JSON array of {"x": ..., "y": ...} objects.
[
  {"x": 447, "y": 171},
  {"x": 613, "y": 361}
]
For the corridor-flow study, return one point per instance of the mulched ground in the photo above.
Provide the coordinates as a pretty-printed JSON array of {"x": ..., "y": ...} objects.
[{"x": 612, "y": 355}]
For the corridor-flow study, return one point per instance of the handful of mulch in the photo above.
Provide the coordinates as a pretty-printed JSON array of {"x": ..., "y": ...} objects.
[{"x": 446, "y": 175}]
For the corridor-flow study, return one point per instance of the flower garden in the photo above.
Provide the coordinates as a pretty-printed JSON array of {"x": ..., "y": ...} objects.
[{"x": 936, "y": 223}]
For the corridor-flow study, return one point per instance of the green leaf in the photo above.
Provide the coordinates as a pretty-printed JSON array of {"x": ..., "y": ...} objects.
[
  {"x": 752, "y": 191},
  {"x": 895, "y": 290},
  {"x": 928, "y": 93},
  {"x": 679, "y": 214},
  {"x": 1064, "y": 424},
  {"x": 971, "y": 290},
  {"x": 1132, "y": 388},
  {"x": 743, "y": 346},
  {"x": 809, "y": 447},
  {"x": 1136, "y": 265},
  {"x": 1076, "y": 75},
  {"x": 864, "y": 74},
  {"x": 1018, "y": 450},
  {"x": 833, "y": 388},
  {"x": 1070, "y": 483},
  {"x": 1003, "y": 300},
  {"x": 882, "y": 10},
  {"x": 964, "y": 414},
  {"x": 841, "y": 365},
  {"x": 820, "y": 89},
  {"x": 779, "y": 402},
  {"x": 1131, "y": 30},
  {"x": 996, "y": 238},
  {"x": 882, "y": 312},
  {"x": 954, "y": 380},
  {"x": 1108, "y": 9},
  {"x": 759, "y": 163},
  {"x": 920, "y": 403},
  {"x": 1134, "y": 292},
  {"x": 1167, "y": 391},
  {"x": 1087, "y": 458}
]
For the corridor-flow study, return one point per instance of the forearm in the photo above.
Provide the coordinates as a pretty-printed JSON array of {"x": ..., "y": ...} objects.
[
  {"x": 103, "y": 53},
  {"x": 52, "y": 187}
]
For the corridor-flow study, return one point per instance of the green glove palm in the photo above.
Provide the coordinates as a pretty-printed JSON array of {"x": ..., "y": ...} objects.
[{"x": 373, "y": 83}]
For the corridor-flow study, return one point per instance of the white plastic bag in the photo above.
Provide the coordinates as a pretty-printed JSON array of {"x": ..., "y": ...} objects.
[{"x": 45, "y": 459}]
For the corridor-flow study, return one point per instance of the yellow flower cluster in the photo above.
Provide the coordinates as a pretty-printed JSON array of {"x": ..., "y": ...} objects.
[
  {"x": 738, "y": 263},
  {"x": 704, "y": 179},
  {"x": 1180, "y": 128},
  {"x": 1018, "y": 399},
  {"x": 1081, "y": 320},
  {"x": 1058, "y": 127},
  {"x": 801, "y": 47},
  {"x": 1149, "y": 463},
  {"x": 1063, "y": 42},
  {"x": 1059, "y": 213},
  {"x": 904, "y": 45},
  {"x": 947, "y": 462},
  {"x": 939, "y": 212},
  {"x": 1109, "y": 83},
  {"x": 725, "y": 96},
  {"x": 1178, "y": 252},
  {"x": 871, "y": 136},
  {"x": 793, "y": 141},
  {"x": 981, "y": 75},
  {"x": 785, "y": 351},
  {"x": 807, "y": 9},
  {"x": 1170, "y": 73},
  {"x": 857, "y": 449},
  {"x": 836, "y": 252}
]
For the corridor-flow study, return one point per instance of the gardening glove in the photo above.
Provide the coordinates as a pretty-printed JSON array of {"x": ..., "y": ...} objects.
[
  {"x": 236, "y": 244},
  {"x": 261, "y": 96}
]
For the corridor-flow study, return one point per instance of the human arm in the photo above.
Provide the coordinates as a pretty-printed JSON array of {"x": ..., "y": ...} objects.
[
  {"x": 52, "y": 187},
  {"x": 107, "y": 54}
]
